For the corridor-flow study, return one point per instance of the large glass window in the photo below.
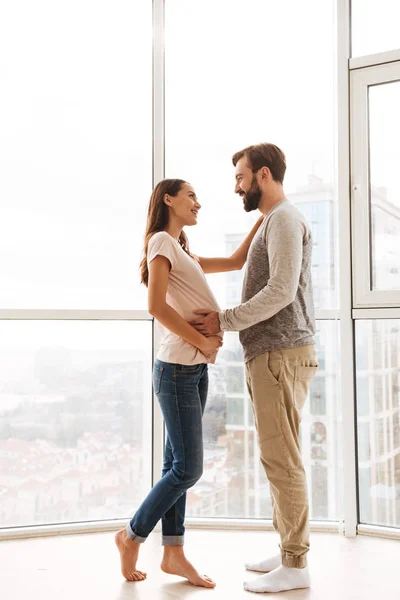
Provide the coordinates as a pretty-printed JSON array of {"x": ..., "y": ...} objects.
[
  {"x": 378, "y": 416},
  {"x": 75, "y": 178},
  {"x": 374, "y": 26},
  {"x": 375, "y": 96},
  {"x": 75, "y": 152},
  {"x": 221, "y": 97},
  {"x": 384, "y": 128},
  {"x": 75, "y": 420}
]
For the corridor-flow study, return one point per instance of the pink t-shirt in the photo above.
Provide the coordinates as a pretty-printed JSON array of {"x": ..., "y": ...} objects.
[{"x": 187, "y": 291}]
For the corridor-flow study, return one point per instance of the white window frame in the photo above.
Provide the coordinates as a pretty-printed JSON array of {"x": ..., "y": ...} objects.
[
  {"x": 348, "y": 491},
  {"x": 360, "y": 81}
]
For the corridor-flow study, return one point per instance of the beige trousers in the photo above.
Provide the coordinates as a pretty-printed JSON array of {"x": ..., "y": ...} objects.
[{"x": 278, "y": 383}]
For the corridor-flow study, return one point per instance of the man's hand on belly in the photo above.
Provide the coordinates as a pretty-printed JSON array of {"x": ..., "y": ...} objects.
[{"x": 208, "y": 323}]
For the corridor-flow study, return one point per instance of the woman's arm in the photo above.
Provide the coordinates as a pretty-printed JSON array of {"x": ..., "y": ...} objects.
[
  {"x": 157, "y": 291},
  {"x": 234, "y": 262}
]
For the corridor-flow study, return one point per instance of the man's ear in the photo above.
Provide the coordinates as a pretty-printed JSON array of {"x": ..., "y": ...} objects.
[{"x": 265, "y": 173}]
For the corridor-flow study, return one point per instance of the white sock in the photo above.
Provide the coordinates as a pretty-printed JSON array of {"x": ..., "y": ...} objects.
[
  {"x": 266, "y": 565},
  {"x": 280, "y": 580}
]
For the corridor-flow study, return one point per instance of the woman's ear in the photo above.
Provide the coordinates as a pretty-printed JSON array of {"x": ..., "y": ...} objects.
[{"x": 167, "y": 200}]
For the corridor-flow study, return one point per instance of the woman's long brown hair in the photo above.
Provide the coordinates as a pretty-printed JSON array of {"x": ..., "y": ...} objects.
[{"x": 157, "y": 219}]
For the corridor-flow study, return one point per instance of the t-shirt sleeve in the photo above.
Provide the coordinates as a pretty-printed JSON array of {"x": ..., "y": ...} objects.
[{"x": 161, "y": 244}]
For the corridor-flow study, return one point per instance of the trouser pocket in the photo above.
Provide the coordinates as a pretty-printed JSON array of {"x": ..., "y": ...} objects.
[{"x": 305, "y": 371}]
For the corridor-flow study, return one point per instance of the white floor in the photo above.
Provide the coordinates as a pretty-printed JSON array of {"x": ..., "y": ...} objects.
[{"x": 86, "y": 567}]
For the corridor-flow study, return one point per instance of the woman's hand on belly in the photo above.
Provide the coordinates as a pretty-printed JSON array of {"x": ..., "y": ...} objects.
[{"x": 210, "y": 346}]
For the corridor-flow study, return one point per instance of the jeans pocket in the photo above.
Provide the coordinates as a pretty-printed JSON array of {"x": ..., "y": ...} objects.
[{"x": 157, "y": 376}]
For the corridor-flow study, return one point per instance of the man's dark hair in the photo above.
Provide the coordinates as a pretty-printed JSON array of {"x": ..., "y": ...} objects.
[{"x": 263, "y": 155}]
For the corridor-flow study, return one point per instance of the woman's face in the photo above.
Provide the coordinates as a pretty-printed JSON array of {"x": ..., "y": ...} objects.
[{"x": 184, "y": 206}]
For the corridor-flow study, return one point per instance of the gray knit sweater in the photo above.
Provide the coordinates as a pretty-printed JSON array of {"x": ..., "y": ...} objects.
[{"x": 277, "y": 308}]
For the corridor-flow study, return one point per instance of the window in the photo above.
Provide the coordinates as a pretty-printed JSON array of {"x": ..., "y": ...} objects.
[
  {"x": 364, "y": 450},
  {"x": 378, "y": 428},
  {"x": 217, "y": 102},
  {"x": 235, "y": 380},
  {"x": 216, "y": 116},
  {"x": 75, "y": 419},
  {"x": 374, "y": 26},
  {"x": 235, "y": 411},
  {"x": 317, "y": 396},
  {"x": 385, "y": 190},
  {"x": 319, "y": 491},
  {"x": 375, "y": 96},
  {"x": 75, "y": 152}
]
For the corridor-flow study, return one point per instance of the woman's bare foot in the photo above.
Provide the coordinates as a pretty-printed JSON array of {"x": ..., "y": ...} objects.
[
  {"x": 129, "y": 552},
  {"x": 175, "y": 562}
]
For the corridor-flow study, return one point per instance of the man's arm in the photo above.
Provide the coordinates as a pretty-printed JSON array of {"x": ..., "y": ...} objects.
[{"x": 285, "y": 252}]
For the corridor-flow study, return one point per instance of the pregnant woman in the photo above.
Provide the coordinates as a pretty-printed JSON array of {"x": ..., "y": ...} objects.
[{"x": 176, "y": 288}]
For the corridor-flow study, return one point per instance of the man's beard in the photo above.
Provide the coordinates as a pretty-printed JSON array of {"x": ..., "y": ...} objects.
[{"x": 251, "y": 199}]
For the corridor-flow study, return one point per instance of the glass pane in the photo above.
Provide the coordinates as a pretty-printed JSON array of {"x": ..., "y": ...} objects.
[
  {"x": 378, "y": 418},
  {"x": 75, "y": 420},
  {"x": 384, "y": 123},
  {"x": 374, "y": 26},
  {"x": 223, "y": 97},
  {"x": 234, "y": 484},
  {"x": 75, "y": 152}
]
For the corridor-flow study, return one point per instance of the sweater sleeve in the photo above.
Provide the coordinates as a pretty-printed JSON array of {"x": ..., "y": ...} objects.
[{"x": 284, "y": 239}]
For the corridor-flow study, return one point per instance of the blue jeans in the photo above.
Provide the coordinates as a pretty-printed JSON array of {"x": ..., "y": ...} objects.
[{"x": 182, "y": 393}]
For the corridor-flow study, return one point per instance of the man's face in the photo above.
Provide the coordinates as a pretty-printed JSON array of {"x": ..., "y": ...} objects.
[{"x": 247, "y": 186}]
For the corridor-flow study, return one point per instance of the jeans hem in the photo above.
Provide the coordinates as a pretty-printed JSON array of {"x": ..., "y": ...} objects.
[
  {"x": 133, "y": 536},
  {"x": 172, "y": 540}
]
